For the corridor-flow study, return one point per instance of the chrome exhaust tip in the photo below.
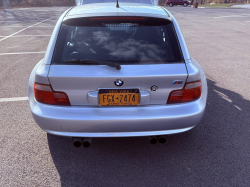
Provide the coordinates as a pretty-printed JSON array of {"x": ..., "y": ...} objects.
[
  {"x": 153, "y": 140},
  {"x": 86, "y": 142},
  {"x": 162, "y": 139},
  {"x": 77, "y": 142}
]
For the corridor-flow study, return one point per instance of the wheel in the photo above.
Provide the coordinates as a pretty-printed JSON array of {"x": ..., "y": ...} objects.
[
  {"x": 171, "y": 4},
  {"x": 185, "y": 4}
]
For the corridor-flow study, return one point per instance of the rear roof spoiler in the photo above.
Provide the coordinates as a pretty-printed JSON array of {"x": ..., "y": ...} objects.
[{"x": 83, "y": 2}]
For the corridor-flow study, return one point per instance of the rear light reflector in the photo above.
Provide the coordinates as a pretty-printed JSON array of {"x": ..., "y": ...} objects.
[
  {"x": 190, "y": 92},
  {"x": 45, "y": 94}
]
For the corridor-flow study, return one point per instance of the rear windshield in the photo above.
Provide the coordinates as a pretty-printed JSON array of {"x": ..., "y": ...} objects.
[{"x": 124, "y": 40}]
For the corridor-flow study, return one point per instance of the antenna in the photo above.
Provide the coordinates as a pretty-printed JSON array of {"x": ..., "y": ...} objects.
[{"x": 117, "y": 4}]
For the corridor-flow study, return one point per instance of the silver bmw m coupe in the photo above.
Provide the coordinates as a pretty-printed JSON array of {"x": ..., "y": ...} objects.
[{"x": 117, "y": 70}]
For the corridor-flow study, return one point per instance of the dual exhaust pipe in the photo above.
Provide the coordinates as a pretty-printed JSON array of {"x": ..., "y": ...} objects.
[
  {"x": 155, "y": 139},
  {"x": 86, "y": 142}
]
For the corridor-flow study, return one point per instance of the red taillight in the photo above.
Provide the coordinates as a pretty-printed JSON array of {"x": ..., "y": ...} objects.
[
  {"x": 118, "y": 18},
  {"x": 45, "y": 94},
  {"x": 190, "y": 92}
]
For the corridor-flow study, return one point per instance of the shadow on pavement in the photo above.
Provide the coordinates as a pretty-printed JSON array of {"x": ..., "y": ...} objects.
[{"x": 215, "y": 153}]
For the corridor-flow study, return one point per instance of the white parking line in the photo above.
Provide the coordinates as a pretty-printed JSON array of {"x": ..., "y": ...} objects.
[
  {"x": 13, "y": 99},
  {"x": 21, "y": 53},
  {"x": 12, "y": 21},
  {"x": 24, "y": 29},
  {"x": 22, "y": 20},
  {"x": 23, "y": 26},
  {"x": 231, "y": 16},
  {"x": 25, "y": 35}
]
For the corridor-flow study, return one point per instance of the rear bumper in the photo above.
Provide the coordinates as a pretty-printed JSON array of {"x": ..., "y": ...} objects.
[
  {"x": 118, "y": 134},
  {"x": 85, "y": 121}
]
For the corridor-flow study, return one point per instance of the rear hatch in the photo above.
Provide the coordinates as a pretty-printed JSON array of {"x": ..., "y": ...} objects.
[{"x": 147, "y": 49}]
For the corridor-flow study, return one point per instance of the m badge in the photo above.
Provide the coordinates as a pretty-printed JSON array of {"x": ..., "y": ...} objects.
[{"x": 177, "y": 82}]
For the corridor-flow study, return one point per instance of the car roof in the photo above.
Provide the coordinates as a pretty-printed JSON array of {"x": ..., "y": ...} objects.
[
  {"x": 109, "y": 9},
  {"x": 83, "y": 2}
]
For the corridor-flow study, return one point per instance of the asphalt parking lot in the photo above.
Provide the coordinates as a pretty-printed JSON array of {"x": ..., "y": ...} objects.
[{"x": 215, "y": 153}]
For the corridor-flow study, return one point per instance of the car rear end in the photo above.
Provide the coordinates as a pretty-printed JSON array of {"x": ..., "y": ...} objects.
[{"x": 156, "y": 92}]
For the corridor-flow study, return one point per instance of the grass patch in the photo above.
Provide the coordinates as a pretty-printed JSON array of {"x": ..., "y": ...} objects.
[{"x": 224, "y": 5}]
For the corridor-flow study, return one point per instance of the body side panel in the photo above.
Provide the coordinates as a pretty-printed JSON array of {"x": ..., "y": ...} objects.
[
  {"x": 53, "y": 38},
  {"x": 195, "y": 72},
  {"x": 183, "y": 44},
  {"x": 42, "y": 73}
]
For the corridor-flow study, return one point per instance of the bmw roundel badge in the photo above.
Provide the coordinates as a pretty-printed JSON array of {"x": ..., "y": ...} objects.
[{"x": 118, "y": 82}]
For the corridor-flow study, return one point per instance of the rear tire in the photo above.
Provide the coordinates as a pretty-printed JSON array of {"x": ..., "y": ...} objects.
[
  {"x": 171, "y": 4},
  {"x": 185, "y": 4}
]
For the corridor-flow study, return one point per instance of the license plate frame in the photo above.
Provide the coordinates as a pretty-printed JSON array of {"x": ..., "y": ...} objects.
[{"x": 124, "y": 91}]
